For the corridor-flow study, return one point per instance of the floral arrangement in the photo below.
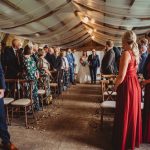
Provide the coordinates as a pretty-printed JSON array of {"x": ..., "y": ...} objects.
[{"x": 84, "y": 63}]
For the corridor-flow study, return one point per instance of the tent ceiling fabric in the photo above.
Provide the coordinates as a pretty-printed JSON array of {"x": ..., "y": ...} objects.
[{"x": 62, "y": 22}]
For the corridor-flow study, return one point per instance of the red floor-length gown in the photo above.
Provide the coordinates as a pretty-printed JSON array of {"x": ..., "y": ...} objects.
[
  {"x": 127, "y": 132},
  {"x": 146, "y": 110}
]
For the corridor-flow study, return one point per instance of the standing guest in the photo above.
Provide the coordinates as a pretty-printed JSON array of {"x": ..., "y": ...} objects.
[
  {"x": 35, "y": 52},
  {"x": 71, "y": 61},
  {"x": 128, "y": 124},
  {"x": 146, "y": 110},
  {"x": 44, "y": 70},
  {"x": 75, "y": 55},
  {"x": 143, "y": 51},
  {"x": 65, "y": 68},
  {"x": 50, "y": 57},
  {"x": 117, "y": 59},
  {"x": 94, "y": 64},
  {"x": 30, "y": 72},
  {"x": 108, "y": 60},
  {"x": 12, "y": 60},
  {"x": 4, "y": 135},
  {"x": 57, "y": 62}
]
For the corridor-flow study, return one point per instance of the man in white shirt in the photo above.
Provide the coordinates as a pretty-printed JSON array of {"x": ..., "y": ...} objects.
[{"x": 65, "y": 68}]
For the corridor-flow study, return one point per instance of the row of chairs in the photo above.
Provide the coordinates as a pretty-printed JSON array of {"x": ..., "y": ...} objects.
[
  {"x": 18, "y": 96},
  {"x": 108, "y": 103}
]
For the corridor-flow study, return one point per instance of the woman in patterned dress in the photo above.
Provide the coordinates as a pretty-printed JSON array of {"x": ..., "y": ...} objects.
[
  {"x": 31, "y": 73},
  {"x": 44, "y": 69}
]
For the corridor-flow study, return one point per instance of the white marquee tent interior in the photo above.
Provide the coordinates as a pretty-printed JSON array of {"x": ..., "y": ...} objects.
[
  {"x": 70, "y": 23},
  {"x": 73, "y": 23}
]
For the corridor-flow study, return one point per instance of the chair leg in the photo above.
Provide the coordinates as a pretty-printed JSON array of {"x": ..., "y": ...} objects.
[
  {"x": 7, "y": 113},
  {"x": 42, "y": 102},
  {"x": 34, "y": 114},
  {"x": 102, "y": 113},
  {"x": 26, "y": 117},
  {"x": 12, "y": 113}
]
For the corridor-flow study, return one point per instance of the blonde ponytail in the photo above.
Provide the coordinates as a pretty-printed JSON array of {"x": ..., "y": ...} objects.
[
  {"x": 135, "y": 51},
  {"x": 129, "y": 37}
]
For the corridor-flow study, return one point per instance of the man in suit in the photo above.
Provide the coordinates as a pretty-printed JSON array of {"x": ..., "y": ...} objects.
[
  {"x": 117, "y": 58},
  {"x": 50, "y": 56},
  {"x": 4, "y": 135},
  {"x": 12, "y": 60},
  {"x": 71, "y": 61},
  {"x": 108, "y": 60},
  {"x": 35, "y": 52},
  {"x": 94, "y": 64}
]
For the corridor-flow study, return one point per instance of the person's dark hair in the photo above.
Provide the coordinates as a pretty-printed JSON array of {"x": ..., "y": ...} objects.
[
  {"x": 110, "y": 43},
  {"x": 27, "y": 50},
  {"x": 40, "y": 52},
  {"x": 45, "y": 46}
]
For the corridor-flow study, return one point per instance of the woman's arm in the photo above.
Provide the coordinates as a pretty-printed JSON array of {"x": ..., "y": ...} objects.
[
  {"x": 125, "y": 59},
  {"x": 146, "y": 82}
]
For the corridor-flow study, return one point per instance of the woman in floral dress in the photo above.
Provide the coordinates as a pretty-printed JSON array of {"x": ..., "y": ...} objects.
[
  {"x": 31, "y": 73},
  {"x": 44, "y": 69}
]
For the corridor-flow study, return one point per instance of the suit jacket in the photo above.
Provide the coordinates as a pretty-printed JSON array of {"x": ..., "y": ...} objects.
[
  {"x": 94, "y": 61},
  {"x": 51, "y": 59},
  {"x": 2, "y": 80},
  {"x": 54, "y": 61},
  {"x": 71, "y": 59},
  {"x": 108, "y": 62},
  {"x": 12, "y": 63}
]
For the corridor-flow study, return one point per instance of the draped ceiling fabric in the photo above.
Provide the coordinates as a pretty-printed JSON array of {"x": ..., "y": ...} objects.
[{"x": 62, "y": 22}]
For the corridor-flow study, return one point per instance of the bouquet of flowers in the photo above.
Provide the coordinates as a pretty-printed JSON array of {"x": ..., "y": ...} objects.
[{"x": 84, "y": 63}]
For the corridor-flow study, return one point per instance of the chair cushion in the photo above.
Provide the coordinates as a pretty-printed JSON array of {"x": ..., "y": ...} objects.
[
  {"x": 142, "y": 105},
  {"x": 108, "y": 104},
  {"x": 8, "y": 100},
  {"x": 53, "y": 84},
  {"x": 22, "y": 102},
  {"x": 110, "y": 92},
  {"x": 41, "y": 91},
  {"x": 112, "y": 104}
]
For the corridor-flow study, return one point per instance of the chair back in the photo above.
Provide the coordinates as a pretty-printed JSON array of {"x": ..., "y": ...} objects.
[
  {"x": 107, "y": 85},
  {"x": 24, "y": 88},
  {"x": 11, "y": 89}
]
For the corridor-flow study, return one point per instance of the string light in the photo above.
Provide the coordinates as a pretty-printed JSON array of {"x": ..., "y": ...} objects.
[
  {"x": 93, "y": 37},
  {"x": 37, "y": 34},
  {"x": 90, "y": 31},
  {"x": 95, "y": 30},
  {"x": 92, "y": 21},
  {"x": 85, "y": 19}
]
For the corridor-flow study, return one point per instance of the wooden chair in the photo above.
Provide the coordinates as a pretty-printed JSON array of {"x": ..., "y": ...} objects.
[
  {"x": 109, "y": 102},
  {"x": 108, "y": 94},
  {"x": 57, "y": 83},
  {"x": 9, "y": 96},
  {"x": 42, "y": 90},
  {"x": 24, "y": 101}
]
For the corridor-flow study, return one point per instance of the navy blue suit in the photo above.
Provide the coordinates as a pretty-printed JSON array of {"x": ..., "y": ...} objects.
[
  {"x": 4, "y": 135},
  {"x": 142, "y": 62},
  {"x": 94, "y": 63},
  {"x": 12, "y": 63},
  {"x": 71, "y": 61}
]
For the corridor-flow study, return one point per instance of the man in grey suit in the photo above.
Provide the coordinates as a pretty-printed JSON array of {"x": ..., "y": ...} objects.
[{"x": 108, "y": 60}]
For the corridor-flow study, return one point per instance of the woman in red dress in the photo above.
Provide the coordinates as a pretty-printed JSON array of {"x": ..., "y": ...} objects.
[
  {"x": 146, "y": 110},
  {"x": 127, "y": 124}
]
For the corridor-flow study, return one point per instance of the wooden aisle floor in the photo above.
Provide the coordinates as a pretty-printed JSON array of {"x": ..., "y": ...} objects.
[{"x": 71, "y": 124}]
